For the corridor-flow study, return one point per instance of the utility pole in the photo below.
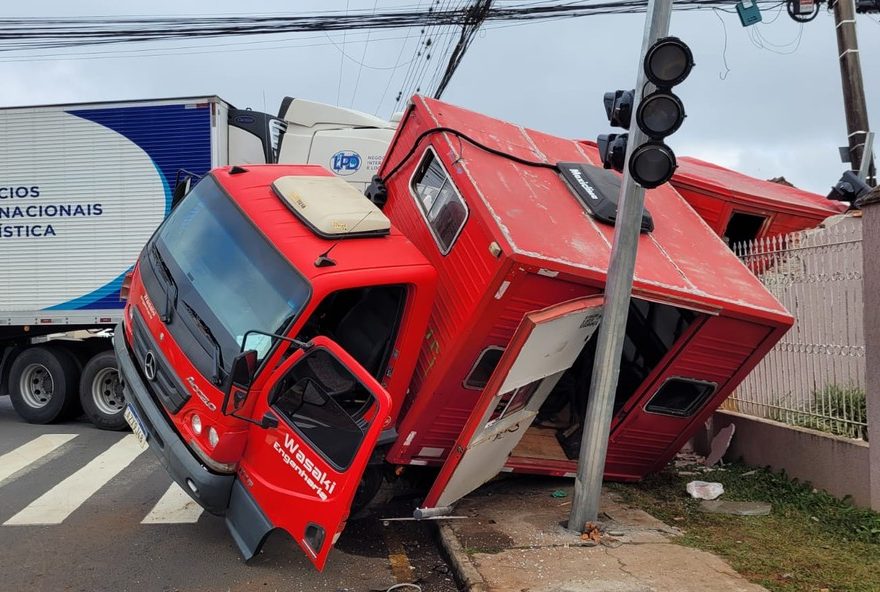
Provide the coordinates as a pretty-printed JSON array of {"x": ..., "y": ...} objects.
[
  {"x": 618, "y": 288},
  {"x": 853, "y": 88}
]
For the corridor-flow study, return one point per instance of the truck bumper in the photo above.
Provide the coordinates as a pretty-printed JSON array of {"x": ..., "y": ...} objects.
[{"x": 210, "y": 490}]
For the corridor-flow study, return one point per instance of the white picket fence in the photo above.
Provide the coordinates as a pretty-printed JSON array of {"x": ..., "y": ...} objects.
[{"x": 815, "y": 376}]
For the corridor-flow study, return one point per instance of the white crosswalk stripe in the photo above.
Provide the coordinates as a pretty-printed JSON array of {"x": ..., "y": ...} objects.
[
  {"x": 175, "y": 507},
  {"x": 30, "y": 453},
  {"x": 60, "y": 502}
]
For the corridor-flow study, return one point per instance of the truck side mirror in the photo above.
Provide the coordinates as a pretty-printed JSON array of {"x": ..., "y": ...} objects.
[{"x": 244, "y": 365}]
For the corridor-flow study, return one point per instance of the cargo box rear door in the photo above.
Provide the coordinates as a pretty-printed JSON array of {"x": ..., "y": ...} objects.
[{"x": 546, "y": 343}]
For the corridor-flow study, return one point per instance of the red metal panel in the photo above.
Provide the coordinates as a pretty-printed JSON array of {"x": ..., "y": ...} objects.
[
  {"x": 716, "y": 353},
  {"x": 713, "y": 180},
  {"x": 443, "y": 404},
  {"x": 539, "y": 227}
]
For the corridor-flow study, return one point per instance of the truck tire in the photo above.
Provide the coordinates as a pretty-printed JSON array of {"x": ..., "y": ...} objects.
[
  {"x": 100, "y": 392},
  {"x": 42, "y": 384}
]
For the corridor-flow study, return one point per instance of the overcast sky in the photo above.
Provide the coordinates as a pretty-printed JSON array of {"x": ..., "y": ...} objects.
[{"x": 770, "y": 105}]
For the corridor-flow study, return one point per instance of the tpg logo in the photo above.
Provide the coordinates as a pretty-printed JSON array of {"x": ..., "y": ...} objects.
[{"x": 345, "y": 162}]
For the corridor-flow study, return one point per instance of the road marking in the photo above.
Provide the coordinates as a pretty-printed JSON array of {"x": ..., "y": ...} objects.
[
  {"x": 60, "y": 502},
  {"x": 397, "y": 559},
  {"x": 26, "y": 454},
  {"x": 175, "y": 507}
]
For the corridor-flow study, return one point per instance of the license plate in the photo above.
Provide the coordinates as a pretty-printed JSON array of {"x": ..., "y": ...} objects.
[{"x": 137, "y": 427}]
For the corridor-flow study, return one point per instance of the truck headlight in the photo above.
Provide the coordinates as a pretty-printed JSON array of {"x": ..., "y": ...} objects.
[
  {"x": 213, "y": 437},
  {"x": 196, "y": 423}
]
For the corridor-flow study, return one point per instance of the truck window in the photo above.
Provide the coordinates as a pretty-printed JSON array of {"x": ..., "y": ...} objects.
[
  {"x": 743, "y": 228},
  {"x": 325, "y": 404},
  {"x": 363, "y": 321},
  {"x": 439, "y": 200},
  {"x": 681, "y": 397},
  {"x": 483, "y": 367},
  {"x": 208, "y": 247}
]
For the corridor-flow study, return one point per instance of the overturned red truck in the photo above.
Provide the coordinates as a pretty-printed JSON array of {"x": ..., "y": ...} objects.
[{"x": 286, "y": 338}]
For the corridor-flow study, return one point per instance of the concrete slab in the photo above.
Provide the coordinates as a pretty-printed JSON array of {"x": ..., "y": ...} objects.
[
  {"x": 736, "y": 508},
  {"x": 515, "y": 541}
]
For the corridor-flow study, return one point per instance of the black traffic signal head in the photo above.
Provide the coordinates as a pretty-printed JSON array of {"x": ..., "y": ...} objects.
[
  {"x": 849, "y": 188},
  {"x": 867, "y": 6},
  {"x": 652, "y": 164},
  {"x": 619, "y": 106},
  {"x": 660, "y": 114},
  {"x": 612, "y": 150},
  {"x": 668, "y": 62}
]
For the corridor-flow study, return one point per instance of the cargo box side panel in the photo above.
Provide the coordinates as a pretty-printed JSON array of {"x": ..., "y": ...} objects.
[
  {"x": 82, "y": 191},
  {"x": 444, "y": 408},
  {"x": 645, "y": 435}
]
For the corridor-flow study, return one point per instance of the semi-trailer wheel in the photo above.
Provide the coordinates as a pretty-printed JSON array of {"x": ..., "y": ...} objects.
[
  {"x": 100, "y": 392},
  {"x": 42, "y": 384}
]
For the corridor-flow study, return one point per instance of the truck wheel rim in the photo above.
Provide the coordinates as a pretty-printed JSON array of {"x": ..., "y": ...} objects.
[
  {"x": 36, "y": 386},
  {"x": 107, "y": 392}
]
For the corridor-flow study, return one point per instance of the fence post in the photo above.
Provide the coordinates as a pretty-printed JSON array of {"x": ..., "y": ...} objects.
[{"x": 870, "y": 205}]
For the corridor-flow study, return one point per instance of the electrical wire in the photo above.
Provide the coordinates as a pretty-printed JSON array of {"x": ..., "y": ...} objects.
[
  {"x": 20, "y": 34},
  {"x": 470, "y": 140},
  {"x": 357, "y": 82}
]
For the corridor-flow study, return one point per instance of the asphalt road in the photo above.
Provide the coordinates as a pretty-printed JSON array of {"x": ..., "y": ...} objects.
[{"x": 83, "y": 510}]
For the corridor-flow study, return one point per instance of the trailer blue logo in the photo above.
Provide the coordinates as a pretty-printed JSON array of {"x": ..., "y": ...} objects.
[{"x": 345, "y": 162}]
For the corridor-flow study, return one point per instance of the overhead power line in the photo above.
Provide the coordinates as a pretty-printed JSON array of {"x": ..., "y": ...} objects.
[{"x": 17, "y": 34}]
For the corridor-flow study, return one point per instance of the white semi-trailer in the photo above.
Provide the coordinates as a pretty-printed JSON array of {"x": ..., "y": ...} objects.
[{"x": 82, "y": 188}]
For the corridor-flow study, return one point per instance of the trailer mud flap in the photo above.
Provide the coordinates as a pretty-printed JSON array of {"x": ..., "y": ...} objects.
[{"x": 247, "y": 524}]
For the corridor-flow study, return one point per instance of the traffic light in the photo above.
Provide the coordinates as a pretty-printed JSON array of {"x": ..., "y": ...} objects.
[
  {"x": 867, "y": 6},
  {"x": 660, "y": 113},
  {"x": 849, "y": 188}
]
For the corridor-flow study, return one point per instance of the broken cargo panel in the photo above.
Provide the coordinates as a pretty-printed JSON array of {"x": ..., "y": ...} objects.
[
  {"x": 740, "y": 208},
  {"x": 484, "y": 200}
]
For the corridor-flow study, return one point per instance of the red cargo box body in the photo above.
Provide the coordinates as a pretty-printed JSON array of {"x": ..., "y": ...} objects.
[
  {"x": 763, "y": 208},
  {"x": 527, "y": 243}
]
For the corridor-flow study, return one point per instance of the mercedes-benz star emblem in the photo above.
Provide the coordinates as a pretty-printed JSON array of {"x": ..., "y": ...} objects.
[{"x": 150, "y": 365}]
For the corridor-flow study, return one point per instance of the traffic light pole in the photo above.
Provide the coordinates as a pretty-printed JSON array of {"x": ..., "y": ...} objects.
[
  {"x": 606, "y": 367},
  {"x": 851, "y": 80}
]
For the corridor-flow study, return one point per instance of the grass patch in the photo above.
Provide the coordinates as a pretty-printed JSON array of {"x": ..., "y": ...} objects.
[{"x": 809, "y": 542}]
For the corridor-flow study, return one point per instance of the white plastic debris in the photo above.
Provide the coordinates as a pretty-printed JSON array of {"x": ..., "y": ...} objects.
[{"x": 705, "y": 490}]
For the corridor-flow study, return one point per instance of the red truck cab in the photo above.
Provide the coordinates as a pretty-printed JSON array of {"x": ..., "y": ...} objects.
[
  {"x": 238, "y": 254},
  {"x": 285, "y": 336}
]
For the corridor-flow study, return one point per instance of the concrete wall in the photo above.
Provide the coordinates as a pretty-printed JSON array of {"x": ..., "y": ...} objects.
[
  {"x": 840, "y": 466},
  {"x": 871, "y": 244}
]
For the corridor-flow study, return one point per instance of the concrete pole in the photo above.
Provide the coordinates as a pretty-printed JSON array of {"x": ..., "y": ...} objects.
[
  {"x": 870, "y": 205},
  {"x": 851, "y": 79},
  {"x": 618, "y": 288}
]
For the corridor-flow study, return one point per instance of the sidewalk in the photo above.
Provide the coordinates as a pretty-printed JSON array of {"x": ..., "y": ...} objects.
[{"x": 514, "y": 539}]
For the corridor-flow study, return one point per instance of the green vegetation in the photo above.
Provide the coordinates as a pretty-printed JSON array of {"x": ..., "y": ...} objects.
[
  {"x": 833, "y": 401},
  {"x": 811, "y": 541}
]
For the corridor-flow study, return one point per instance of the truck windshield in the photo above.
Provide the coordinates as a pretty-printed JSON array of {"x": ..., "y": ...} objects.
[{"x": 229, "y": 277}]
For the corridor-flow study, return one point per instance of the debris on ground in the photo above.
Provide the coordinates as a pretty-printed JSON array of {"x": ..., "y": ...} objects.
[
  {"x": 559, "y": 493},
  {"x": 705, "y": 490},
  {"x": 736, "y": 508},
  {"x": 592, "y": 533},
  {"x": 720, "y": 444}
]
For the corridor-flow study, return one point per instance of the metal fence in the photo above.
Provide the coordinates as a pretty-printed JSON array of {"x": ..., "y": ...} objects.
[{"x": 815, "y": 376}]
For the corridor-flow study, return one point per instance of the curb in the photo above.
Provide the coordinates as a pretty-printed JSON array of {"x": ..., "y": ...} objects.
[{"x": 464, "y": 569}]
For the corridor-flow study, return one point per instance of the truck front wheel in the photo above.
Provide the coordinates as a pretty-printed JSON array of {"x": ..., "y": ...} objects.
[
  {"x": 100, "y": 392},
  {"x": 42, "y": 384}
]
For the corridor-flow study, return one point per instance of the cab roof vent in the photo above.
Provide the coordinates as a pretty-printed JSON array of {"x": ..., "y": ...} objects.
[
  {"x": 330, "y": 207},
  {"x": 597, "y": 189}
]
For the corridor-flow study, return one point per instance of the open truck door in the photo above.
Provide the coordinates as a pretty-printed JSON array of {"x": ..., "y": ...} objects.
[
  {"x": 321, "y": 414},
  {"x": 545, "y": 345}
]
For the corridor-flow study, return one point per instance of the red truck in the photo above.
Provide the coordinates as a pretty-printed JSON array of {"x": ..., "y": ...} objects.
[{"x": 287, "y": 339}]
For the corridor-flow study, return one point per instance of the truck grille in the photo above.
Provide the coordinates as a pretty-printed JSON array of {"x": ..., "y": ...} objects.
[{"x": 164, "y": 387}]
